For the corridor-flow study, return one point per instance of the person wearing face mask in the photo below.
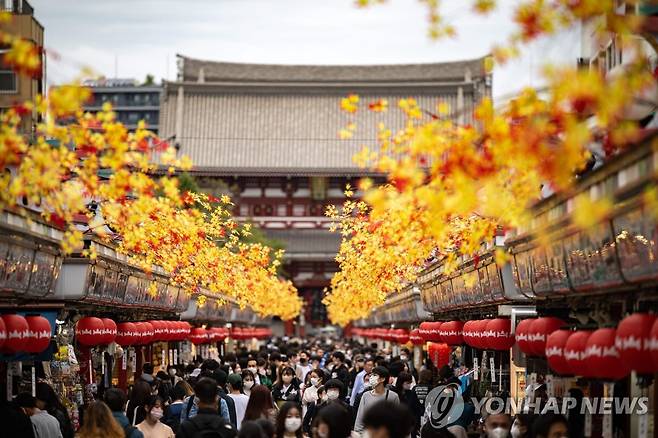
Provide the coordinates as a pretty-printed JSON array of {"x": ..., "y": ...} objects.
[
  {"x": 333, "y": 421},
  {"x": 286, "y": 388},
  {"x": 360, "y": 380},
  {"x": 152, "y": 427},
  {"x": 379, "y": 392},
  {"x": 248, "y": 382},
  {"x": 311, "y": 391},
  {"x": 263, "y": 373},
  {"x": 314, "y": 408},
  {"x": 335, "y": 391},
  {"x": 522, "y": 425},
  {"x": 497, "y": 425},
  {"x": 303, "y": 367},
  {"x": 240, "y": 399},
  {"x": 173, "y": 375},
  {"x": 289, "y": 421},
  {"x": 172, "y": 412},
  {"x": 408, "y": 397}
]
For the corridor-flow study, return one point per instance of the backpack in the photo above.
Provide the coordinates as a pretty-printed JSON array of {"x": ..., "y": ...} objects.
[
  {"x": 225, "y": 431},
  {"x": 128, "y": 430}
]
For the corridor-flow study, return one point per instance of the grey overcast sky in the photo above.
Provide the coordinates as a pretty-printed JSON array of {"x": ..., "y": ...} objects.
[{"x": 137, "y": 37}]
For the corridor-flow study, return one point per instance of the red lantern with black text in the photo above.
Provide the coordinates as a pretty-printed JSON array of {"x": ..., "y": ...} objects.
[
  {"x": 39, "y": 334},
  {"x": 89, "y": 331},
  {"x": 555, "y": 344},
  {"x": 633, "y": 342}
]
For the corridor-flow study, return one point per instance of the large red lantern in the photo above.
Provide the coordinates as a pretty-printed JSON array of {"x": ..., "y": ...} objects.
[
  {"x": 3, "y": 333},
  {"x": 401, "y": 336},
  {"x": 159, "y": 330},
  {"x": 555, "y": 344},
  {"x": 574, "y": 353},
  {"x": 198, "y": 336},
  {"x": 415, "y": 337},
  {"x": 523, "y": 335},
  {"x": 451, "y": 332},
  {"x": 109, "y": 331},
  {"x": 185, "y": 329},
  {"x": 146, "y": 333},
  {"x": 633, "y": 343},
  {"x": 469, "y": 337},
  {"x": 126, "y": 334},
  {"x": 429, "y": 331},
  {"x": 539, "y": 331},
  {"x": 480, "y": 335},
  {"x": 603, "y": 357},
  {"x": 439, "y": 353},
  {"x": 39, "y": 334},
  {"x": 17, "y": 333},
  {"x": 89, "y": 331},
  {"x": 499, "y": 334}
]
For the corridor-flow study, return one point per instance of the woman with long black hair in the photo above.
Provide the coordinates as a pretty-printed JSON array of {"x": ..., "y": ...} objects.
[
  {"x": 289, "y": 421},
  {"x": 286, "y": 388}
]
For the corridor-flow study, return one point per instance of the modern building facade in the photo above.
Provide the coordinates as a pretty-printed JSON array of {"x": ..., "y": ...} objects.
[
  {"x": 268, "y": 135},
  {"x": 130, "y": 101},
  {"x": 15, "y": 88}
]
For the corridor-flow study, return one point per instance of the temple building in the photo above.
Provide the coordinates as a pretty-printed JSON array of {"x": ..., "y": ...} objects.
[{"x": 268, "y": 135}]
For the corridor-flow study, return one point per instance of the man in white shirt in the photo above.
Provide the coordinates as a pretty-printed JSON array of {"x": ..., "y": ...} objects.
[
  {"x": 379, "y": 392},
  {"x": 235, "y": 392},
  {"x": 45, "y": 425},
  {"x": 303, "y": 367},
  {"x": 359, "y": 383}
]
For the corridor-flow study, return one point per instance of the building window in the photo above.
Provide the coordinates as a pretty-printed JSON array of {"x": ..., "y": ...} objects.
[
  {"x": 8, "y": 78},
  {"x": 133, "y": 117},
  {"x": 318, "y": 188}
]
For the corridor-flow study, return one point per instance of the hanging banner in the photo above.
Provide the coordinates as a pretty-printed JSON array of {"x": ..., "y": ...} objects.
[
  {"x": 34, "y": 380},
  {"x": 476, "y": 369},
  {"x": 124, "y": 360},
  {"x": 492, "y": 368}
]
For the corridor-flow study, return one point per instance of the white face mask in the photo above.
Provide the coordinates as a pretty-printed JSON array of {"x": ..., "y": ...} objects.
[
  {"x": 406, "y": 386},
  {"x": 516, "y": 431},
  {"x": 156, "y": 413},
  {"x": 293, "y": 424},
  {"x": 315, "y": 381},
  {"x": 248, "y": 384},
  {"x": 332, "y": 394},
  {"x": 403, "y": 358},
  {"x": 253, "y": 370},
  {"x": 172, "y": 372},
  {"x": 374, "y": 380},
  {"x": 498, "y": 432}
]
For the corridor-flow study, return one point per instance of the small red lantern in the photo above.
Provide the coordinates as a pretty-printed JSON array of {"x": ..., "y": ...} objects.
[
  {"x": 39, "y": 334},
  {"x": 555, "y": 344},
  {"x": 633, "y": 343},
  {"x": 439, "y": 353},
  {"x": 574, "y": 353},
  {"x": 401, "y": 336},
  {"x": 415, "y": 337},
  {"x": 198, "y": 336},
  {"x": 126, "y": 334},
  {"x": 89, "y": 331},
  {"x": 499, "y": 334},
  {"x": 17, "y": 332},
  {"x": 523, "y": 335},
  {"x": 603, "y": 357},
  {"x": 430, "y": 331},
  {"x": 109, "y": 331},
  {"x": 539, "y": 331},
  {"x": 451, "y": 332}
]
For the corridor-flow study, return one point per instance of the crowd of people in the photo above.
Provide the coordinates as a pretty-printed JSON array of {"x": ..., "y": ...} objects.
[{"x": 317, "y": 389}]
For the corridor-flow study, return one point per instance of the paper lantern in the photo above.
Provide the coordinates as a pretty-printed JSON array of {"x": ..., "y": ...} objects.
[
  {"x": 499, "y": 334},
  {"x": 469, "y": 338},
  {"x": 109, "y": 331},
  {"x": 429, "y": 331},
  {"x": 39, "y": 334},
  {"x": 574, "y": 353},
  {"x": 401, "y": 336},
  {"x": 17, "y": 332},
  {"x": 185, "y": 329},
  {"x": 555, "y": 344},
  {"x": 479, "y": 329},
  {"x": 198, "y": 336},
  {"x": 539, "y": 331},
  {"x": 126, "y": 334},
  {"x": 146, "y": 333},
  {"x": 3, "y": 333},
  {"x": 89, "y": 331},
  {"x": 653, "y": 342},
  {"x": 602, "y": 355},
  {"x": 415, "y": 337},
  {"x": 522, "y": 335},
  {"x": 633, "y": 343},
  {"x": 159, "y": 330},
  {"x": 439, "y": 353},
  {"x": 451, "y": 332}
]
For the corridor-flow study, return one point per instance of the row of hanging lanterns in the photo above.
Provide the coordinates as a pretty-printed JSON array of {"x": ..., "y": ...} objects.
[
  {"x": 400, "y": 336},
  {"x": 28, "y": 334}
]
